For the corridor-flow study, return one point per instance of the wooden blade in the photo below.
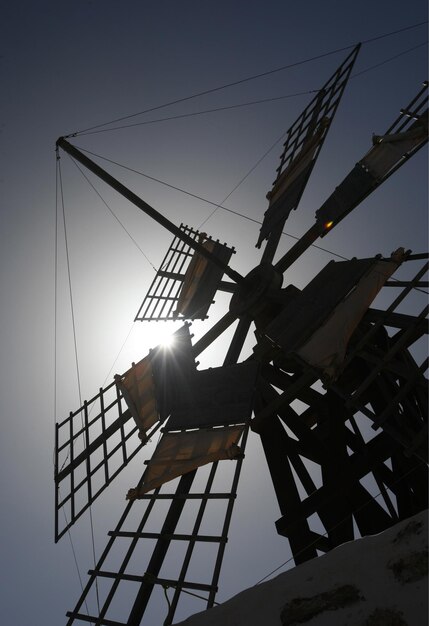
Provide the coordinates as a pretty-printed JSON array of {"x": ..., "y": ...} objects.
[
  {"x": 93, "y": 445},
  {"x": 407, "y": 135},
  {"x": 186, "y": 283},
  {"x": 302, "y": 147},
  {"x": 139, "y": 560},
  {"x": 96, "y": 442},
  {"x": 218, "y": 396},
  {"x": 376, "y": 375}
]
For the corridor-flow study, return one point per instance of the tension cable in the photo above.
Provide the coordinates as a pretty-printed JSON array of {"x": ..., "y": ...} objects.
[
  {"x": 246, "y": 79},
  {"x": 75, "y": 351}
]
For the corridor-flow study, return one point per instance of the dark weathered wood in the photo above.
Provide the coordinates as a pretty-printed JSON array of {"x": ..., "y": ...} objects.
[
  {"x": 311, "y": 125},
  {"x": 159, "y": 552},
  {"x": 274, "y": 442},
  {"x": 94, "y": 445},
  {"x": 238, "y": 340},
  {"x": 380, "y": 380},
  {"x": 145, "y": 207},
  {"x": 218, "y": 396}
]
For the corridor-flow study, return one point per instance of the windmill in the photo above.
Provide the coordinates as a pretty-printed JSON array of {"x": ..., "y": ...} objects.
[{"x": 324, "y": 346}]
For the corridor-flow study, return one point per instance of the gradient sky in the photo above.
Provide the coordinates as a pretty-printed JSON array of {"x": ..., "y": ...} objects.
[{"x": 66, "y": 66}]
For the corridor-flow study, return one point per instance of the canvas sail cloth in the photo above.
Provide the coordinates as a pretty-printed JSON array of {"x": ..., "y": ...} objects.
[
  {"x": 150, "y": 387},
  {"x": 327, "y": 347},
  {"x": 220, "y": 396},
  {"x": 389, "y": 150},
  {"x": 300, "y": 163},
  {"x": 387, "y": 154},
  {"x": 318, "y": 324},
  {"x": 289, "y": 187},
  {"x": 217, "y": 409},
  {"x": 181, "y": 452},
  {"x": 201, "y": 280}
]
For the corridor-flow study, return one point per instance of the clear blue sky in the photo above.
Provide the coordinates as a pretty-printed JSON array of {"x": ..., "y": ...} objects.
[{"x": 66, "y": 66}]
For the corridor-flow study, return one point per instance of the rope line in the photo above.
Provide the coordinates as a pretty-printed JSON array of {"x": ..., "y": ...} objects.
[
  {"x": 70, "y": 285},
  {"x": 312, "y": 91},
  {"x": 220, "y": 206},
  {"x": 75, "y": 559},
  {"x": 245, "y": 104},
  {"x": 208, "y": 91},
  {"x": 104, "y": 382},
  {"x": 119, "y": 353},
  {"x": 57, "y": 158},
  {"x": 112, "y": 212},
  {"x": 152, "y": 579},
  {"x": 57, "y": 186},
  {"x": 76, "y": 356},
  {"x": 198, "y": 197},
  {"x": 217, "y": 206},
  {"x": 244, "y": 80},
  {"x": 76, "y": 563},
  {"x": 394, "y": 32},
  {"x": 396, "y": 56},
  {"x": 165, "y": 587},
  {"x": 195, "y": 113}
]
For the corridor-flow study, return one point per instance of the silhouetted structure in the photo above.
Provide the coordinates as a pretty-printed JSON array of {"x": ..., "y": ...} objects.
[{"x": 325, "y": 369}]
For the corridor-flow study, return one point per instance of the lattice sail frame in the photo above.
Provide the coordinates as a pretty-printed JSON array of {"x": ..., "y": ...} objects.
[
  {"x": 93, "y": 445},
  {"x": 91, "y": 450},
  {"x": 303, "y": 144},
  {"x": 163, "y": 296},
  {"x": 199, "y": 509},
  {"x": 196, "y": 496},
  {"x": 404, "y": 137}
]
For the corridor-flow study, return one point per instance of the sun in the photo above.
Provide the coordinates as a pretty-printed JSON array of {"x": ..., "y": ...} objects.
[
  {"x": 167, "y": 340},
  {"x": 163, "y": 335}
]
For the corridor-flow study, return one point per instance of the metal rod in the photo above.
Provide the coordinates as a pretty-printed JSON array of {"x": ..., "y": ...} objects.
[{"x": 145, "y": 207}]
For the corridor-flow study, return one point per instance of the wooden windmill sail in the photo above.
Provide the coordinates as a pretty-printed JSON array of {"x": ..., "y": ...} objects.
[{"x": 323, "y": 345}]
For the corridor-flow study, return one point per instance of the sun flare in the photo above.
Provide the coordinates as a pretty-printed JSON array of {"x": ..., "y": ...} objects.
[{"x": 167, "y": 341}]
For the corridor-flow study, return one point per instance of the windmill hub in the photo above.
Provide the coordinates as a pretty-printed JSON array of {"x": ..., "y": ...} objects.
[{"x": 258, "y": 291}]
